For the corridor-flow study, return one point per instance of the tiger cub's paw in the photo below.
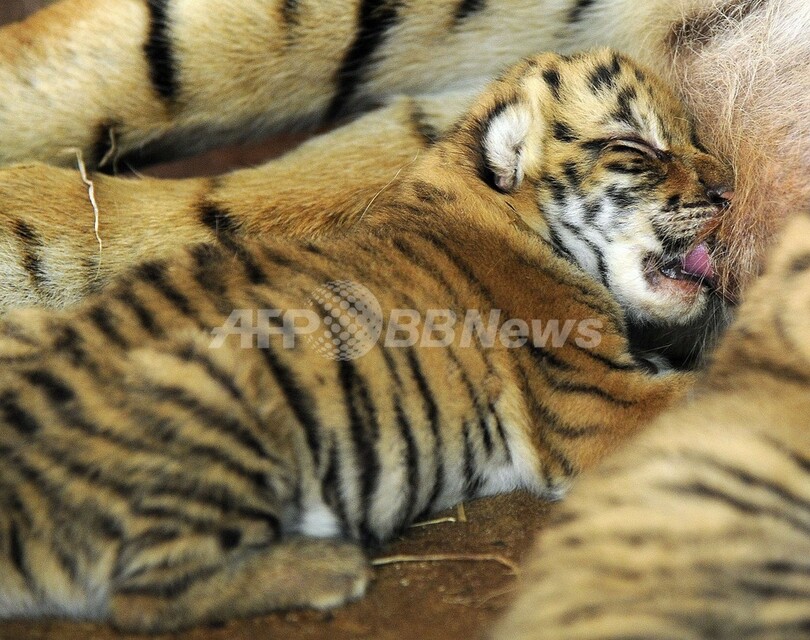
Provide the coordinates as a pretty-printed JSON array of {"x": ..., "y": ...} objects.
[
  {"x": 296, "y": 573},
  {"x": 334, "y": 573}
]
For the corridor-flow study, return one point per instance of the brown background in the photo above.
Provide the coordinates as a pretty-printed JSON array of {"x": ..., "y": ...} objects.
[{"x": 431, "y": 600}]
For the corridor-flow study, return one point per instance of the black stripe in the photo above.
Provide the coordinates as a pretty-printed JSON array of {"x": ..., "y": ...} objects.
[
  {"x": 475, "y": 401},
  {"x": 700, "y": 489},
  {"x": 501, "y": 433},
  {"x": 472, "y": 479},
  {"x": 299, "y": 400},
  {"x": 217, "y": 219},
  {"x": 432, "y": 414},
  {"x": 17, "y": 554},
  {"x": 604, "y": 76},
  {"x": 229, "y": 538},
  {"x": 559, "y": 247},
  {"x": 66, "y": 553},
  {"x": 771, "y": 591},
  {"x": 251, "y": 265},
  {"x": 365, "y": 428},
  {"x": 68, "y": 341},
  {"x": 428, "y": 133},
  {"x": 223, "y": 378},
  {"x": 467, "y": 8},
  {"x": 15, "y": 416},
  {"x": 57, "y": 390},
  {"x": 596, "y": 251},
  {"x": 411, "y": 460},
  {"x": 801, "y": 461},
  {"x": 571, "y": 171},
  {"x": 209, "y": 274},
  {"x": 745, "y": 477},
  {"x": 584, "y": 389},
  {"x": 66, "y": 548},
  {"x": 32, "y": 246},
  {"x": 105, "y": 321},
  {"x": 271, "y": 254},
  {"x": 146, "y": 319},
  {"x": 11, "y": 330},
  {"x": 777, "y": 369},
  {"x": 624, "y": 112},
  {"x": 610, "y": 363},
  {"x": 554, "y": 423},
  {"x": 784, "y": 567},
  {"x": 623, "y": 198},
  {"x": 158, "y": 51},
  {"x": 544, "y": 418},
  {"x": 332, "y": 485},
  {"x": 693, "y": 136},
  {"x": 163, "y": 432},
  {"x": 211, "y": 265},
  {"x": 579, "y": 9},
  {"x": 557, "y": 188},
  {"x": 154, "y": 536},
  {"x": 552, "y": 78},
  {"x": 154, "y": 274},
  {"x": 375, "y": 20},
  {"x": 431, "y": 194},
  {"x": 563, "y": 132}
]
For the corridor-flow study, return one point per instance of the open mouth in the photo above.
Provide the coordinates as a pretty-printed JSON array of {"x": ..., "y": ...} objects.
[{"x": 687, "y": 273}]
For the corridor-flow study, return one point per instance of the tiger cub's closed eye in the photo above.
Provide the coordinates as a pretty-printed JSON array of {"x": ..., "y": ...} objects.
[{"x": 639, "y": 147}]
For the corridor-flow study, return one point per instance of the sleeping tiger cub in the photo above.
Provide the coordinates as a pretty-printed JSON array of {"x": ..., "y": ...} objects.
[
  {"x": 156, "y": 481},
  {"x": 701, "y": 528}
]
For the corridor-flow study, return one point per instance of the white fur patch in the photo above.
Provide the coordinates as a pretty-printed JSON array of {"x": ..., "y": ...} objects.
[
  {"x": 318, "y": 521},
  {"x": 504, "y": 146}
]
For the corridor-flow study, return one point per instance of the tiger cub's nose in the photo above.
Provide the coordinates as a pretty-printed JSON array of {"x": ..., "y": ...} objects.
[{"x": 720, "y": 195}]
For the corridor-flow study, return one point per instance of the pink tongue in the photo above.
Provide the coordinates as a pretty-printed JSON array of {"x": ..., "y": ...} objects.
[{"x": 698, "y": 263}]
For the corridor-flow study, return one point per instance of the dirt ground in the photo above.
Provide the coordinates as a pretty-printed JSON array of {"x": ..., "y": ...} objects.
[{"x": 444, "y": 599}]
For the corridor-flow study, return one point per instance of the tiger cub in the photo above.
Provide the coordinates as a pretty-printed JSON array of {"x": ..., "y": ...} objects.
[
  {"x": 177, "y": 449},
  {"x": 700, "y": 529}
]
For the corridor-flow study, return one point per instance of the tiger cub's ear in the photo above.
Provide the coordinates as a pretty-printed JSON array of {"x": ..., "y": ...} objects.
[{"x": 510, "y": 144}]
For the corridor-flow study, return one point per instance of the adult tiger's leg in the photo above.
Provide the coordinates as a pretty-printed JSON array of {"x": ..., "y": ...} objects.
[{"x": 138, "y": 80}]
